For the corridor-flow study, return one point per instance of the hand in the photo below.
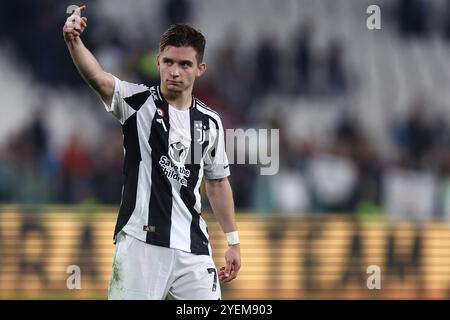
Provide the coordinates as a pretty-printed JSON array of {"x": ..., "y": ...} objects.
[
  {"x": 75, "y": 25},
  {"x": 233, "y": 264}
]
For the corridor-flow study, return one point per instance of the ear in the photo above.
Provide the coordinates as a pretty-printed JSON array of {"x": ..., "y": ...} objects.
[
  {"x": 201, "y": 69},
  {"x": 157, "y": 61}
]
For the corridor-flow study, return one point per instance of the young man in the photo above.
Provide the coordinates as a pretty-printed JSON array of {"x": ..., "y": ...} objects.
[{"x": 162, "y": 247}]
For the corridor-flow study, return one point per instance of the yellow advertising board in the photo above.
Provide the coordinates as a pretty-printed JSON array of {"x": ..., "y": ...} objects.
[{"x": 331, "y": 257}]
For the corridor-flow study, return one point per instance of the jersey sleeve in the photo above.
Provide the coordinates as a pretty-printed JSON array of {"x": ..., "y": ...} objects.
[
  {"x": 122, "y": 90},
  {"x": 216, "y": 164}
]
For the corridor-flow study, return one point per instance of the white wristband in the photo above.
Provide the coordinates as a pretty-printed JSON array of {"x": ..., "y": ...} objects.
[{"x": 232, "y": 237}]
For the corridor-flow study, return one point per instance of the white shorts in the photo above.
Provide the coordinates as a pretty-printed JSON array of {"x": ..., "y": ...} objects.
[{"x": 147, "y": 272}]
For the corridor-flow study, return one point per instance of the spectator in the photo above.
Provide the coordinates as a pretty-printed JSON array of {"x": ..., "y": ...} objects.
[
  {"x": 415, "y": 136},
  {"x": 267, "y": 66},
  {"x": 336, "y": 73},
  {"x": 177, "y": 11},
  {"x": 413, "y": 17},
  {"x": 303, "y": 56},
  {"x": 76, "y": 172}
]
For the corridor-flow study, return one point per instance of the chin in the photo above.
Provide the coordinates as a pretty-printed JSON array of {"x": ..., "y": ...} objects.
[{"x": 175, "y": 89}]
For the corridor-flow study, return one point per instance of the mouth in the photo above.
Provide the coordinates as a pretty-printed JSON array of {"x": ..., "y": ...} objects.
[{"x": 175, "y": 83}]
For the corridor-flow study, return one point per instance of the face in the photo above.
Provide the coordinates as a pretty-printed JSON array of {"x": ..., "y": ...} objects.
[{"x": 178, "y": 68}]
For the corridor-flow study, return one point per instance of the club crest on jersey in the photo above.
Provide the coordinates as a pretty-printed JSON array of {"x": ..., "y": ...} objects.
[
  {"x": 200, "y": 132},
  {"x": 179, "y": 145},
  {"x": 178, "y": 153}
]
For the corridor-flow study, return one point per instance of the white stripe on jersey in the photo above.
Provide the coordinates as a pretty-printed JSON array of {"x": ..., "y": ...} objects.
[
  {"x": 118, "y": 107},
  {"x": 180, "y": 236},
  {"x": 205, "y": 232},
  {"x": 158, "y": 90},
  {"x": 198, "y": 197},
  {"x": 180, "y": 130}
]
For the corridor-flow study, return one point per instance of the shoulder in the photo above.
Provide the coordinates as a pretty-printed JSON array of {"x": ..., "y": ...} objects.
[
  {"x": 130, "y": 86},
  {"x": 208, "y": 112},
  {"x": 203, "y": 107}
]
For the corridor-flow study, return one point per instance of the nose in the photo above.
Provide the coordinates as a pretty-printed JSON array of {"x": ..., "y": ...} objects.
[{"x": 174, "y": 72}]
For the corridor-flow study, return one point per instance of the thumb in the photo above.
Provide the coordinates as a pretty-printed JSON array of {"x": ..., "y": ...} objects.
[{"x": 78, "y": 10}]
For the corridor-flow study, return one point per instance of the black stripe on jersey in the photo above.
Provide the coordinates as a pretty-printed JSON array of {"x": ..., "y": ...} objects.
[
  {"x": 199, "y": 242},
  {"x": 200, "y": 106},
  {"x": 160, "y": 207},
  {"x": 205, "y": 106},
  {"x": 130, "y": 170},
  {"x": 137, "y": 100}
]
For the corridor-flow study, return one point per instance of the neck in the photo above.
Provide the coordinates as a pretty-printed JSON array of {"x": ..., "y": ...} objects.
[{"x": 180, "y": 100}]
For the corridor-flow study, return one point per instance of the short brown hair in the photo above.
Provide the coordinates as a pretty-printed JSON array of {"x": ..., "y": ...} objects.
[{"x": 183, "y": 35}]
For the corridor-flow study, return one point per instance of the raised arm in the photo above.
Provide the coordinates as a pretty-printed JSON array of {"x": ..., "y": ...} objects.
[{"x": 87, "y": 65}]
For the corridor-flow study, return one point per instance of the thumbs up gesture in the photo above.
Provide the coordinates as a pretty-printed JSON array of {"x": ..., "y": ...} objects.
[{"x": 75, "y": 25}]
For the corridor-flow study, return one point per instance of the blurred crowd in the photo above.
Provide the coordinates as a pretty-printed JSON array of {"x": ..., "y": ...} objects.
[{"x": 348, "y": 175}]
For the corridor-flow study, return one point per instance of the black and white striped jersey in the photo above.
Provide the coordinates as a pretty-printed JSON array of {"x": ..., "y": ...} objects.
[{"x": 167, "y": 153}]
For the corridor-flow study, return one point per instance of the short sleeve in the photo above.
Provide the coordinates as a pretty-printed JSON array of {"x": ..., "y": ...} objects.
[
  {"x": 122, "y": 90},
  {"x": 216, "y": 164}
]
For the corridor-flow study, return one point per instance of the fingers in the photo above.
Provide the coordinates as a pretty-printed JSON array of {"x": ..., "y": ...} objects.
[
  {"x": 74, "y": 20},
  {"x": 75, "y": 26},
  {"x": 232, "y": 274},
  {"x": 222, "y": 277},
  {"x": 227, "y": 268},
  {"x": 77, "y": 22},
  {"x": 73, "y": 30},
  {"x": 68, "y": 31},
  {"x": 70, "y": 19},
  {"x": 78, "y": 10},
  {"x": 71, "y": 34},
  {"x": 80, "y": 27}
]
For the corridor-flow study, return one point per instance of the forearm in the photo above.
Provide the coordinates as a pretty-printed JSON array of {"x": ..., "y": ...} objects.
[
  {"x": 86, "y": 63},
  {"x": 220, "y": 197},
  {"x": 84, "y": 60}
]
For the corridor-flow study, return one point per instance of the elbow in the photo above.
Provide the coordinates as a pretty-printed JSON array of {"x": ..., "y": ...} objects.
[
  {"x": 217, "y": 188},
  {"x": 103, "y": 83},
  {"x": 97, "y": 81}
]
